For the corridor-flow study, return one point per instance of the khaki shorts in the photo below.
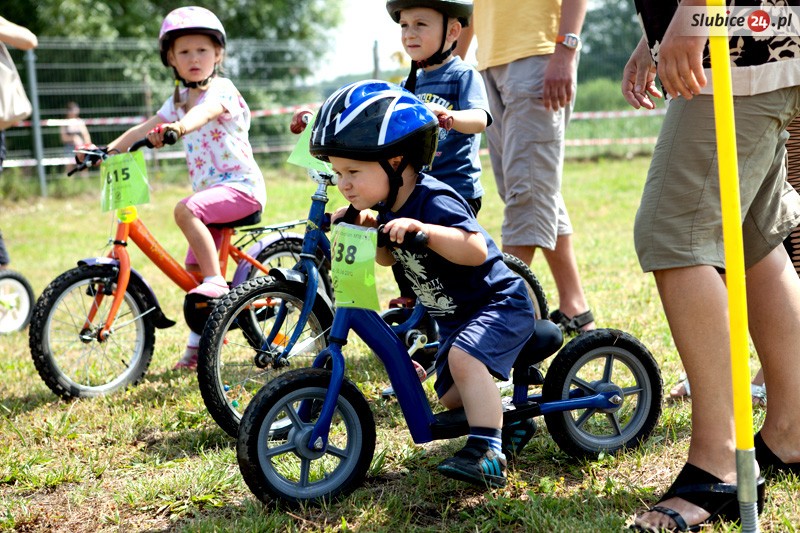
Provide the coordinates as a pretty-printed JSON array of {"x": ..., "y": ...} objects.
[
  {"x": 526, "y": 147},
  {"x": 679, "y": 222}
]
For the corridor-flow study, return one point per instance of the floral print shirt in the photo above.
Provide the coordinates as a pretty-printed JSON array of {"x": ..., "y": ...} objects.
[{"x": 220, "y": 151}]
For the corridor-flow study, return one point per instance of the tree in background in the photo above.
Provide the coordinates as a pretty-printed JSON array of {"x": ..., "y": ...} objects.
[{"x": 610, "y": 31}]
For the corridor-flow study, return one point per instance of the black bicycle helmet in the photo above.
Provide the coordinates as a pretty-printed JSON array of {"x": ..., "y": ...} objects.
[
  {"x": 459, "y": 9},
  {"x": 374, "y": 120}
]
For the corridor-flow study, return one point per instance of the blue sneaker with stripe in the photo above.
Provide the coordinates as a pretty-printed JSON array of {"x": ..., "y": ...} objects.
[
  {"x": 476, "y": 463},
  {"x": 516, "y": 436}
]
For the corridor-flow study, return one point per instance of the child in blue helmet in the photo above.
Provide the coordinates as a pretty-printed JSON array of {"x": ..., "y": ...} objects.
[{"x": 378, "y": 137}]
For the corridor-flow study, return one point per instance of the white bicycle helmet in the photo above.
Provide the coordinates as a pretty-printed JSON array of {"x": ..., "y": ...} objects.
[{"x": 186, "y": 21}]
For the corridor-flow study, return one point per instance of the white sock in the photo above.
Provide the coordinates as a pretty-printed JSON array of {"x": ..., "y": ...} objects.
[{"x": 216, "y": 280}]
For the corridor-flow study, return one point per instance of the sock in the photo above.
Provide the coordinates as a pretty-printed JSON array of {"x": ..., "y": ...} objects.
[
  {"x": 194, "y": 339},
  {"x": 217, "y": 280},
  {"x": 493, "y": 436}
]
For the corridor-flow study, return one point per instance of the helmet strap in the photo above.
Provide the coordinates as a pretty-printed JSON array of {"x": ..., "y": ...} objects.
[
  {"x": 395, "y": 176},
  {"x": 436, "y": 59},
  {"x": 195, "y": 84}
]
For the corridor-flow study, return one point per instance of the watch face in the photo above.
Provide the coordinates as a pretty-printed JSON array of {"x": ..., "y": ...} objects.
[{"x": 570, "y": 40}]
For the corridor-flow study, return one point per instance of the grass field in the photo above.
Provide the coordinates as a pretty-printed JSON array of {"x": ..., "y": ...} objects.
[{"x": 151, "y": 459}]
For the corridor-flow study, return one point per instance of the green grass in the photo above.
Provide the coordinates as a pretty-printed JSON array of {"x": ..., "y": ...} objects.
[{"x": 151, "y": 459}]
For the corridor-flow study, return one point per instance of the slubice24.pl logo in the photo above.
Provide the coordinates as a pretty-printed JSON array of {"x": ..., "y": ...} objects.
[{"x": 740, "y": 21}]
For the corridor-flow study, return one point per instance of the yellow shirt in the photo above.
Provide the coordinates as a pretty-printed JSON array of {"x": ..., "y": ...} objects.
[{"x": 508, "y": 30}]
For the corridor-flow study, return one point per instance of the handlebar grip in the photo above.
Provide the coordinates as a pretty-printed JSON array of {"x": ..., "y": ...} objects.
[
  {"x": 140, "y": 144},
  {"x": 170, "y": 137},
  {"x": 412, "y": 241}
]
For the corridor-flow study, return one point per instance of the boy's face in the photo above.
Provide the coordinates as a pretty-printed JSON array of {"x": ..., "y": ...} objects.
[
  {"x": 194, "y": 56},
  {"x": 421, "y": 31},
  {"x": 362, "y": 183}
]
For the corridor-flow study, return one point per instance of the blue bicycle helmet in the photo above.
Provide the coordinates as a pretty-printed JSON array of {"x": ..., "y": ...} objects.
[{"x": 375, "y": 120}]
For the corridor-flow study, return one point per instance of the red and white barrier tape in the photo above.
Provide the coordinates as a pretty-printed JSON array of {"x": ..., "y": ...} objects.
[{"x": 581, "y": 115}]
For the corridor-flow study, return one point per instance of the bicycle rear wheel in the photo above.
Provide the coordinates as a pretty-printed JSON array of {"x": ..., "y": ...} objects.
[
  {"x": 64, "y": 342},
  {"x": 16, "y": 301},
  {"x": 535, "y": 290},
  {"x": 235, "y": 358}
]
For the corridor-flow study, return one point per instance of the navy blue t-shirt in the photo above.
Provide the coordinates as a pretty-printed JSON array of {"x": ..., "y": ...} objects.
[
  {"x": 456, "y": 86},
  {"x": 452, "y": 293}
]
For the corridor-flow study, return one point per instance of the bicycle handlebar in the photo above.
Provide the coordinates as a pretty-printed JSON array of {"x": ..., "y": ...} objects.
[
  {"x": 94, "y": 157},
  {"x": 412, "y": 241},
  {"x": 170, "y": 137}
]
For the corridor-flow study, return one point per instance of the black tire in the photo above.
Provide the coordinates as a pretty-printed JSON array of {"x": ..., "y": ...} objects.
[
  {"x": 535, "y": 290},
  {"x": 70, "y": 358},
  {"x": 285, "y": 253},
  {"x": 231, "y": 364},
  {"x": 598, "y": 360},
  {"x": 284, "y": 468},
  {"x": 16, "y": 301}
]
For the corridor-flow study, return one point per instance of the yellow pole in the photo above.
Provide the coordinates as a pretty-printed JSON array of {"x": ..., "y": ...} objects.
[{"x": 734, "y": 262}]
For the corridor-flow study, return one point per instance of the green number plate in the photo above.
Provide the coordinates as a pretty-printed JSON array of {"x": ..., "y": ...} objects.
[
  {"x": 124, "y": 181},
  {"x": 353, "y": 266}
]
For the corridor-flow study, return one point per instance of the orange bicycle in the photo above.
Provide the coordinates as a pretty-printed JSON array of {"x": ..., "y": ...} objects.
[{"x": 93, "y": 328}]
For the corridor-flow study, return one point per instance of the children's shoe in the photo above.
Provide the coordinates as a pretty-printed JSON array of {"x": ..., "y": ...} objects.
[
  {"x": 476, "y": 463},
  {"x": 421, "y": 374},
  {"x": 188, "y": 361},
  {"x": 517, "y": 435},
  {"x": 211, "y": 289}
]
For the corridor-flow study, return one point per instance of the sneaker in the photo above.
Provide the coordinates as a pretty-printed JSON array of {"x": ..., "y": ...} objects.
[
  {"x": 476, "y": 463},
  {"x": 422, "y": 374},
  {"x": 517, "y": 435},
  {"x": 211, "y": 289},
  {"x": 188, "y": 361}
]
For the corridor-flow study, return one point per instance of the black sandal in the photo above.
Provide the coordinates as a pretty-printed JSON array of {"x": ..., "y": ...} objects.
[
  {"x": 707, "y": 491},
  {"x": 769, "y": 462},
  {"x": 572, "y": 325}
]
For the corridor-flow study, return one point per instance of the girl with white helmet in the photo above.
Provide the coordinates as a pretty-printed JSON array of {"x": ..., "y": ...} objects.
[{"x": 209, "y": 113}]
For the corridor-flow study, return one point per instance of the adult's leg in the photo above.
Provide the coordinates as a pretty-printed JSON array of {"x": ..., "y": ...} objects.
[
  {"x": 773, "y": 297},
  {"x": 792, "y": 242},
  {"x": 695, "y": 303}
]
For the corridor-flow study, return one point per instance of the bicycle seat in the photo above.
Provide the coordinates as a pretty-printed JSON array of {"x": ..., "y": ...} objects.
[{"x": 249, "y": 220}]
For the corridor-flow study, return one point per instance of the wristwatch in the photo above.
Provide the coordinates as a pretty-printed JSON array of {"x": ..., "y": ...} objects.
[{"x": 570, "y": 40}]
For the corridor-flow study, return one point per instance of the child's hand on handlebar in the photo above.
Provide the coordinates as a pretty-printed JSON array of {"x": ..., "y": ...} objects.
[
  {"x": 156, "y": 135},
  {"x": 363, "y": 218},
  {"x": 443, "y": 114},
  {"x": 398, "y": 228},
  {"x": 90, "y": 153},
  {"x": 300, "y": 119}
]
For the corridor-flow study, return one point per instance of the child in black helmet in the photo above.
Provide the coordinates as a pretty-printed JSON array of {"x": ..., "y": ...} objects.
[
  {"x": 378, "y": 137},
  {"x": 451, "y": 88}
]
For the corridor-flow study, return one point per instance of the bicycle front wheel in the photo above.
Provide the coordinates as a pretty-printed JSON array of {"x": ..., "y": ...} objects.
[
  {"x": 64, "y": 341},
  {"x": 285, "y": 253},
  {"x": 16, "y": 301},
  {"x": 281, "y": 465},
  {"x": 242, "y": 339}
]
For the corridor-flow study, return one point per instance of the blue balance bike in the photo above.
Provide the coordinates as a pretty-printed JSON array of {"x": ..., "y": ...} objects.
[{"x": 308, "y": 436}]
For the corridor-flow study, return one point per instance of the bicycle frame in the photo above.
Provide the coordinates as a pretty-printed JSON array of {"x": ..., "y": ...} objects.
[
  {"x": 306, "y": 267},
  {"x": 423, "y": 425},
  {"x": 137, "y": 232}
]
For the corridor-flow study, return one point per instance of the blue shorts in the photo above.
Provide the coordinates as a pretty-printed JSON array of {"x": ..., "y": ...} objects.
[{"x": 494, "y": 335}]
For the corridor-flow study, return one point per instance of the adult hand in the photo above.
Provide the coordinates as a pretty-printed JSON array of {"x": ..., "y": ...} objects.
[
  {"x": 559, "y": 79},
  {"x": 638, "y": 77},
  {"x": 680, "y": 60}
]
